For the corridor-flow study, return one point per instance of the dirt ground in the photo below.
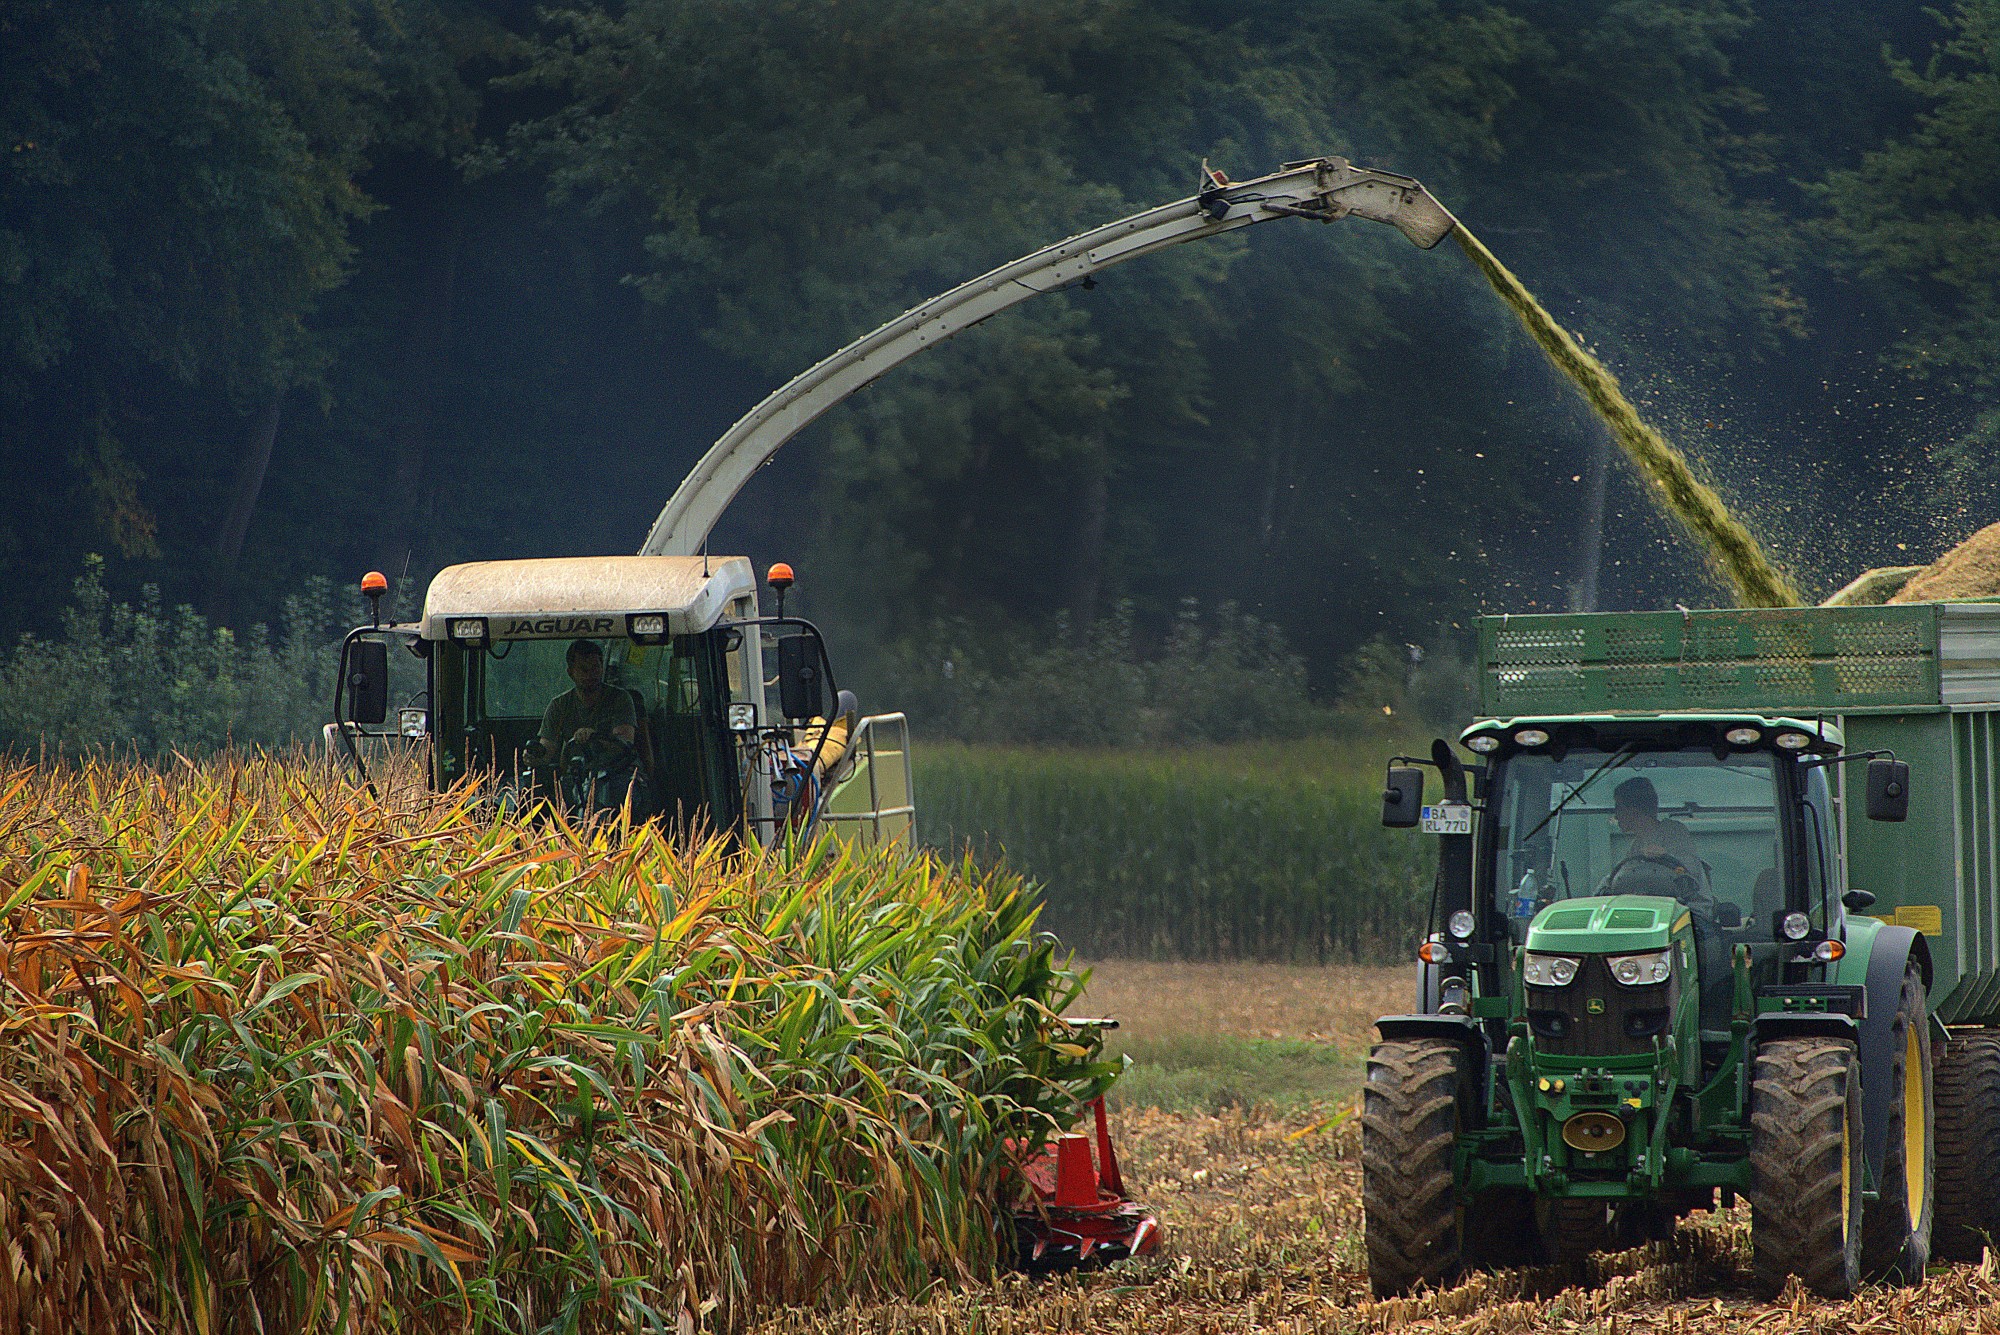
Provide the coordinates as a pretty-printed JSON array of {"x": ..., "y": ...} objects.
[
  {"x": 1262, "y": 1217},
  {"x": 1153, "y": 1002}
]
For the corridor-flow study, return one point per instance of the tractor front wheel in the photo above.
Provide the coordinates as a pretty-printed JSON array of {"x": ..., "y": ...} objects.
[
  {"x": 1574, "y": 1228},
  {"x": 1805, "y": 1165},
  {"x": 1896, "y": 1229},
  {"x": 1412, "y": 1110}
]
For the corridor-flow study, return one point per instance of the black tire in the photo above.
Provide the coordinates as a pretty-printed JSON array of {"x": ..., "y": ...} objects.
[
  {"x": 1499, "y": 1231},
  {"x": 1967, "y": 1097},
  {"x": 1573, "y": 1228},
  {"x": 1896, "y": 1229},
  {"x": 1412, "y": 1109},
  {"x": 1805, "y": 1165},
  {"x": 1637, "y": 1223}
]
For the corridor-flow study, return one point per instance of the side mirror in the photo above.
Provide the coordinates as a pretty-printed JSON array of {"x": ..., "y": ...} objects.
[
  {"x": 368, "y": 682},
  {"x": 801, "y": 684},
  {"x": 1858, "y": 901},
  {"x": 1888, "y": 789},
  {"x": 1728, "y": 915},
  {"x": 1403, "y": 797}
]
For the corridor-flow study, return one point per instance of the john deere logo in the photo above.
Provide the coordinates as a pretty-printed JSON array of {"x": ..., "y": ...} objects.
[{"x": 1595, "y": 1005}]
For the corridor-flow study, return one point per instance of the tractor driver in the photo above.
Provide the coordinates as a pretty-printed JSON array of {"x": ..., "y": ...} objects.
[
  {"x": 1635, "y": 806},
  {"x": 591, "y": 711}
]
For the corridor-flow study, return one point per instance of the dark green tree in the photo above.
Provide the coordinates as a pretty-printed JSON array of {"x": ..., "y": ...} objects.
[{"x": 1921, "y": 215}]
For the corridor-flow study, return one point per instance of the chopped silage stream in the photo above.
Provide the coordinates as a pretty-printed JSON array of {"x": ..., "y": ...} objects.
[{"x": 1728, "y": 543}]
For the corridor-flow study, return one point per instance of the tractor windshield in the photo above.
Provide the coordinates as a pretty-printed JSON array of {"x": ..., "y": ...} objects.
[
  {"x": 1678, "y": 823},
  {"x": 493, "y": 704}
]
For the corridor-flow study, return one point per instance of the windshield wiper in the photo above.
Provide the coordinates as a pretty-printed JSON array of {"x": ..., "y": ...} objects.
[{"x": 1621, "y": 754}]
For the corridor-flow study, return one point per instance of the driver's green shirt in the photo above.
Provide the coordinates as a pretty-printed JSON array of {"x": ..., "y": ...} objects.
[{"x": 568, "y": 712}]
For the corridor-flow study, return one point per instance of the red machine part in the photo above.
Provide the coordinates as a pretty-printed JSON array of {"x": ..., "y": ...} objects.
[{"x": 1079, "y": 1215}]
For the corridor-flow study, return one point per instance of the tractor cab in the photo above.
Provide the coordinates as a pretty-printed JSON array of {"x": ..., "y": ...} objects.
[
  {"x": 1638, "y": 866},
  {"x": 599, "y": 684}
]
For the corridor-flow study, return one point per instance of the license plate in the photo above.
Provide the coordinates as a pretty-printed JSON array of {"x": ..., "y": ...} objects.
[{"x": 1447, "y": 818}]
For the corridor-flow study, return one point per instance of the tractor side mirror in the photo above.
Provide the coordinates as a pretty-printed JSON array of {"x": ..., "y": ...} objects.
[
  {"x": 1888, "y": 789},
  {"x": 1858, "y": 900},
  {"x": 1403, "y": 797},
  {"x": 801, "y": 683},
  {"x": 368, "y": 682}
]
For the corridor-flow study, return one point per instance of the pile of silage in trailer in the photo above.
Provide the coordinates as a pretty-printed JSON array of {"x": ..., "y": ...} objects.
[{"x": 275, "y": 1057}]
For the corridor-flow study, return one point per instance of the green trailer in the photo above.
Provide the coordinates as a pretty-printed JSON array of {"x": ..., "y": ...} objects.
[{"x": 1716, "y": 917}]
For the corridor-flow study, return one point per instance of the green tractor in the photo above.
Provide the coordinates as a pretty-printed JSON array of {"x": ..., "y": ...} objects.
[{"x": 1671, "y": 964}]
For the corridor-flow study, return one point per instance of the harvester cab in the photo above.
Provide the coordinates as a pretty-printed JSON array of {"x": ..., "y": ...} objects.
[
  {"x": 604, "y": 683},
  {"x": 1693, "y": 941}
]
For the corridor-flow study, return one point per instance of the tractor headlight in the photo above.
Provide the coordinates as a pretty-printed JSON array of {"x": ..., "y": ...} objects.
[
  {"x": 1655, "y": 966},
  {"x": 1549, "y": 970}
]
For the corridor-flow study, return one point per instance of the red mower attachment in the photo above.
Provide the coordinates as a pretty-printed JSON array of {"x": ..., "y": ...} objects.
[{"x": 1079, "y": 1216}]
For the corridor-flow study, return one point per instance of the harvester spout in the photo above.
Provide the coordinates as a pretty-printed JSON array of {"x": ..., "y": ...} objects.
[
  {"x": 1325, "y": 189},
  {"x": 1378, "y": 196}
]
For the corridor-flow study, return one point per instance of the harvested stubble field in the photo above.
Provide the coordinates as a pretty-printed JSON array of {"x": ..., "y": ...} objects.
[{"x": 1264, "y": 1223}]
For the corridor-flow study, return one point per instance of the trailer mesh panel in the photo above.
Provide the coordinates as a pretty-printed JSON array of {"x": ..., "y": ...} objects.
[{"x": 1788, "y": 660}]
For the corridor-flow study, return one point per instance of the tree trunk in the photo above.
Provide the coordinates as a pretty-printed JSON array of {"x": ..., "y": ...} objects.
[
  {"x": 1584, "y": 592},
  {"x": 426, "y": 358},
  {"x": 252, "y": 463},
  {"x": 1092, "y": 519}
]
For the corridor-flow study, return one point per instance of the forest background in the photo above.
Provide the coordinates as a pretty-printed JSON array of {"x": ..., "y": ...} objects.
[{"x": 294, "y": 288}]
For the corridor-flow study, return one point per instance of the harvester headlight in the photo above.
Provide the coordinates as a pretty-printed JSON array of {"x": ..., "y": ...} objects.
[
  {"x": 1655, "y": 966},
  {"x": 1796, "y": 926},
  {"x": 469, "y": 632},
  {"x": 1531, "y": 737},
  {"x": 1793, "y": 741},
  {"x": 646, "y": 627},
  {"x": 1549, "y": 970},
  {"x": 1743, "y": 736},
  {"x": 1461, "y": 924},
  {"x": 1485, "y": 743},
  {"x": 743, "y": 718}
]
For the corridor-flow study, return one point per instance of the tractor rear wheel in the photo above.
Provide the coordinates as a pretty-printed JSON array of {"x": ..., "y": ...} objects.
[
  {"x": 1413, "y": 1108},
  {"x": 1805, "y": 1165},
  {"x": 1968, "y": 1147},
  {"x": 1896, "y": 1229}
]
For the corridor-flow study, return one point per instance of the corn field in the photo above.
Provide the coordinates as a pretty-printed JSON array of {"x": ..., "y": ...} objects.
[
  {"x": 279, "y": 1057},
  {"x": 1270, "y": 851}
]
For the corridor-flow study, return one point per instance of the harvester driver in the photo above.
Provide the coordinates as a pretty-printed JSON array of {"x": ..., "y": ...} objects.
[{"x": 591, "y": 713}]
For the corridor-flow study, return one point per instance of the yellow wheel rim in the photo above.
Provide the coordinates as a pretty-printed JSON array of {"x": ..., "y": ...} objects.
[
  {"x": 1846, "y": 1175},
  {"x": 1915, "y": 1132}
]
